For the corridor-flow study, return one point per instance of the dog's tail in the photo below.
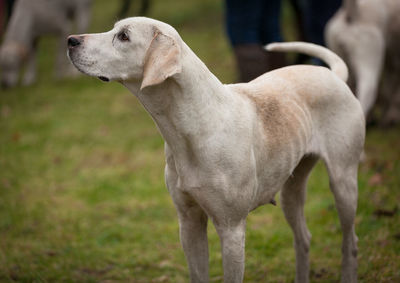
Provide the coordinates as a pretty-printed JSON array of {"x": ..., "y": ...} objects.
[{"x": 335, "y": 63}]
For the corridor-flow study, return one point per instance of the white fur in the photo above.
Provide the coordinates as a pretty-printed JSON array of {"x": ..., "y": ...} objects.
[
  {"x": 366, "y": 34},
  {"x": 231, "y": 148}
]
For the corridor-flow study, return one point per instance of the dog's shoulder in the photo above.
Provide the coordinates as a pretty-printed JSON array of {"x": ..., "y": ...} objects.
[{"x": 278, "y": 108}]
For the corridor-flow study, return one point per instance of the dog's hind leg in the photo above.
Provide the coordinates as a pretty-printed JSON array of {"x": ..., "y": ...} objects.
[
  {"x": 293, "y": 196},
  {"x": 342, "y": 169}
]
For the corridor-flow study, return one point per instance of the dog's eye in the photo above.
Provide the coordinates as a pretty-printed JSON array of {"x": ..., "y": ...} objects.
[{"x": 123, "y": 36}]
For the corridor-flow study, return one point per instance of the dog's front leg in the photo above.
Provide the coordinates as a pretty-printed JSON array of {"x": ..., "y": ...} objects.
[
  {"x": 192, "y": 225},
  {"x": 232, "y": 238},
  {"x": 193, "y": 234}
]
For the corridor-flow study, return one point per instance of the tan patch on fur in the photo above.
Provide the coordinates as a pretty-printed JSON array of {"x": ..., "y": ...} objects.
[
  {"x": 281, "y": 118},
  {"x": 269, "y": 110}
]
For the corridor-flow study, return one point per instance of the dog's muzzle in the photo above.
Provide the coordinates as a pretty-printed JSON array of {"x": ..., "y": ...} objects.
[{"x": 74, "y": 42}]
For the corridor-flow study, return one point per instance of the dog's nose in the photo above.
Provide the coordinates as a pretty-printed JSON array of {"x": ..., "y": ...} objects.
[{"x": 74, "y": 41}]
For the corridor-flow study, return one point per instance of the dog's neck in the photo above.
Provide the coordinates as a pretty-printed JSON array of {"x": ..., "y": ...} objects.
[{"x": 187, "y": 107}]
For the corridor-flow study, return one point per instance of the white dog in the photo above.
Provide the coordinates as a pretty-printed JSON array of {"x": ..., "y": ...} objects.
[
  {"x": 231, "y": 148},
  {"x": 32, "y": 19},
  {"x": 365, "y": 33}
]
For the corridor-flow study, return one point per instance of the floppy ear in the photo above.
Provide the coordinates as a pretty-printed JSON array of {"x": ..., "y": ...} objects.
[{"x": 162, "y": 60}]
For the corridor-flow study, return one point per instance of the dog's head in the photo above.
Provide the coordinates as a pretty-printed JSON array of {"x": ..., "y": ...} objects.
[{"x": 138, "y": 49}]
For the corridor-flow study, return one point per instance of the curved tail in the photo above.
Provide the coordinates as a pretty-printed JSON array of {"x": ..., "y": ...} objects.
[{"x": 335, "y": 63}]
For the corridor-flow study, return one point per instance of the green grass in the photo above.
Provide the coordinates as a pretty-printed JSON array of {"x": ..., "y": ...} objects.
[{"x": 82, "y": 194}]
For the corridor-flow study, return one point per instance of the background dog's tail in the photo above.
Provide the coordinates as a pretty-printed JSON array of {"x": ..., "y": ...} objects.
[{"x": 335, "y": 63}]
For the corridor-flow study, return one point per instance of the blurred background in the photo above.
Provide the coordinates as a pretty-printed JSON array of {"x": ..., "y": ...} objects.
[{"x": 82, "y": 194}]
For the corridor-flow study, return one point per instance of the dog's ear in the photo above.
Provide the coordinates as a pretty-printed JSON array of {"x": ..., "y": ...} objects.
[{"x": 162, "y": 60}]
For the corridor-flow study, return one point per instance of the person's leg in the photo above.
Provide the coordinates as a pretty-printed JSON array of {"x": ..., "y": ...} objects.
[
  {"x": 243, "y": 21},
  {"x": 250, "y": 25},
  {"x": 271, "y": 32},
  {"x": 10, "y": 5},
  {"x": 5, "y": 14},
  {"x": 316, "y": 14},
  {"x": 298, "y": 8}
]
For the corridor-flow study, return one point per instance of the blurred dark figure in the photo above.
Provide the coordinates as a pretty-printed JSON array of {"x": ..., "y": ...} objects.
[
  {"x": 316, "y": 14},
  {"x": 126, "y": 6},
  {"x": 32, "y": 19},
  {"x": 2, "y": 16},
  {"x": 312, "y": 17},
  {"x": 5, "y": 13},
  {"x": 252, "y": 24}
]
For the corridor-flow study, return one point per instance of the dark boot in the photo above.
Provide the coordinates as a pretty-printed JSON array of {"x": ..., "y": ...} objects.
[{"x": 253, "y": 60}]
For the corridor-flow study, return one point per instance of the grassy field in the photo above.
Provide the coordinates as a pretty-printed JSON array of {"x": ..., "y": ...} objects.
[{"x": 82, "y": 196}]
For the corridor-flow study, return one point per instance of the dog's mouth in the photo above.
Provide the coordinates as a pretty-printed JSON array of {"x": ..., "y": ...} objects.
[
  {"x": 85, "y": 66},
  {"x": 104, "y": 79}
]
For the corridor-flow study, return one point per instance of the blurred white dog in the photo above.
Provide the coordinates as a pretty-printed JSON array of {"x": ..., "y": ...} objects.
[
  {"x": 366, "y": 33},
  {"x": 231, "y": 148},
  {"x": 30, "y": 20}
]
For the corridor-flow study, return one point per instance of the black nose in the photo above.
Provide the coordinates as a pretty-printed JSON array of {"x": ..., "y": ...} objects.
[{"x": 73, "y": 41}]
